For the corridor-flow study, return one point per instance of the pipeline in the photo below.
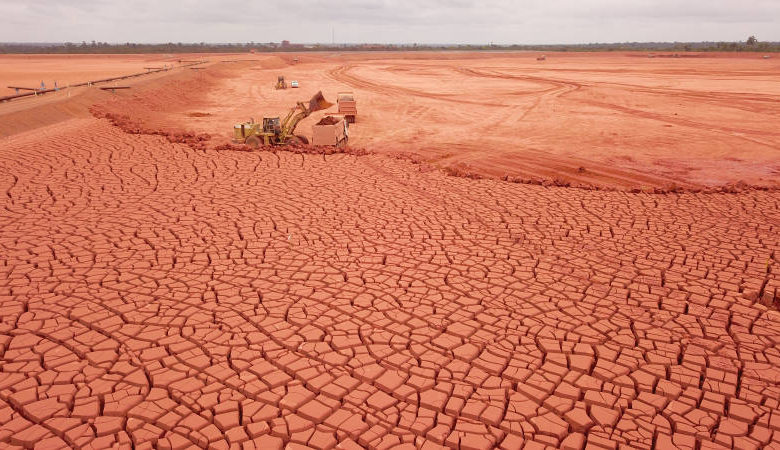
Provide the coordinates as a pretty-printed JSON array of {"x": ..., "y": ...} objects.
[{"x": 90, "y": 83}]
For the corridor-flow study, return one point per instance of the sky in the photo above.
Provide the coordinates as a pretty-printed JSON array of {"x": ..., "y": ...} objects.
[{"x": 389, "y": 21}]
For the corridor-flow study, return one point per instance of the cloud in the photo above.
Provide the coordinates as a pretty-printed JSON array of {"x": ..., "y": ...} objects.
[{"x": 425, "y": 21}]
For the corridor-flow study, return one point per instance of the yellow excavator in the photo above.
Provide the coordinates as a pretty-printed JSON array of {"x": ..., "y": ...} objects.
[{"x": 274, "y": 131}]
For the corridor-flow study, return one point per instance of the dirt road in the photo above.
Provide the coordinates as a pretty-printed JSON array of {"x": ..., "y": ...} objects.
[{"x": 31, "y": 70}]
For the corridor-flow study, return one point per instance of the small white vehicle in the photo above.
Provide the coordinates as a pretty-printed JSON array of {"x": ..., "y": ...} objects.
[{"x": 293, "y": 84}]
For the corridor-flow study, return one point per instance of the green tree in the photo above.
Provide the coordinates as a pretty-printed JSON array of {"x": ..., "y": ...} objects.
[{"x": 752, "y": 40}]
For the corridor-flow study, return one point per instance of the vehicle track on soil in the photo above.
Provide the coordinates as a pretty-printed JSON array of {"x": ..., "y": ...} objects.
[
  {"x": 720, "y": 98},
  {"x": 342, "y": 74}
]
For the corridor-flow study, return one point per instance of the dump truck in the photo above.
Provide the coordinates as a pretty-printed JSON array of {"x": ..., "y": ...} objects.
[
  {"x": 274, "y": 130},
  {"x": 347, "y": 106},
  {"x": 280, "y": 83},
  {"x": 330, "y": 130}
]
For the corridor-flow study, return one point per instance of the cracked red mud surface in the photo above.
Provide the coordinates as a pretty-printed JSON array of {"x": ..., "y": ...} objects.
[{"x": 156, "y": 295}]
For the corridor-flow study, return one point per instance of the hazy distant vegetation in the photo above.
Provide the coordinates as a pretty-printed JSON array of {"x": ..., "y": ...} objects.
[{"x": 750, "y": 45}]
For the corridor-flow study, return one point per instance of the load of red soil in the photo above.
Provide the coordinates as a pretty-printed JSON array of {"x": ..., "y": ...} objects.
[{"x": 329, "y": 120}]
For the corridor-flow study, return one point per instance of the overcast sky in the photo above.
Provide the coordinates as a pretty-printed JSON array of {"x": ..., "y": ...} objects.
[{"x": 389, "y": 21}]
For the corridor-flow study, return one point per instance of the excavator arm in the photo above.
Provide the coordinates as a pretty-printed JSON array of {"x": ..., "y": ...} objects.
[
  {"x": 291, "y": 121},
  {"x": 300, "y": 112}
]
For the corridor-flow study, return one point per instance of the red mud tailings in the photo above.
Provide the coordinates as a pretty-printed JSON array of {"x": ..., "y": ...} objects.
[{"x": 153, "y": 295}]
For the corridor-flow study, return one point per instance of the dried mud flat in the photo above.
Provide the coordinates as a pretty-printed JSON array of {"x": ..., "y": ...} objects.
[{"x": 157, "y": 295}]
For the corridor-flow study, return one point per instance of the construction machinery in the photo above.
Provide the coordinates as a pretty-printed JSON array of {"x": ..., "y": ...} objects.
[
  {"x": 330, "y": 130},
  {"x": 347, "y": 105},
  {"x": 275, "y": 131},
  {"x": 280, "y": 83}
]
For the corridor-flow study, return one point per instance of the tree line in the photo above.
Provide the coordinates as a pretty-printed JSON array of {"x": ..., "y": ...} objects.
[{"x": 93, "y": 47}]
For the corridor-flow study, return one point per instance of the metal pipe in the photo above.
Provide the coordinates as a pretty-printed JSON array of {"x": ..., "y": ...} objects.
[{"x": 89, "y": 83}]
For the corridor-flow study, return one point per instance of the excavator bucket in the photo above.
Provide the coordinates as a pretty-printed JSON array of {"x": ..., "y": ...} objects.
[{"x": 318, "y": 102}]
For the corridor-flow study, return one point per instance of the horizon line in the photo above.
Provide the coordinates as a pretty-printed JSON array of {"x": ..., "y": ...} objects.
[{"x": 326, "y": 44}]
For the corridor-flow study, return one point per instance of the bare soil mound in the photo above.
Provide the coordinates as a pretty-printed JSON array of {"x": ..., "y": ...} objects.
[{"x": 49, "y": 111}]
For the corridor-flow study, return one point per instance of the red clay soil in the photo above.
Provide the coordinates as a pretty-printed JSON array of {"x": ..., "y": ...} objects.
[
  {"x": 615, "y": 121},
  {"x": 163, "y": 287},
  {"x": 30, "y": 70},
  {"x": 155, "y": 295},
  {"x": 75, "y": 102}
]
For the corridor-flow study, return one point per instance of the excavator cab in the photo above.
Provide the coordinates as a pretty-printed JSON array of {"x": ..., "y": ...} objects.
[{"x": 272, "y": 125}]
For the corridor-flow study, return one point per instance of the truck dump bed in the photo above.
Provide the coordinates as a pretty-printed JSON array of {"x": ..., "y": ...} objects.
[
  {"x": 347, "y": 106},
  {"x": 330, "y": 130}
]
